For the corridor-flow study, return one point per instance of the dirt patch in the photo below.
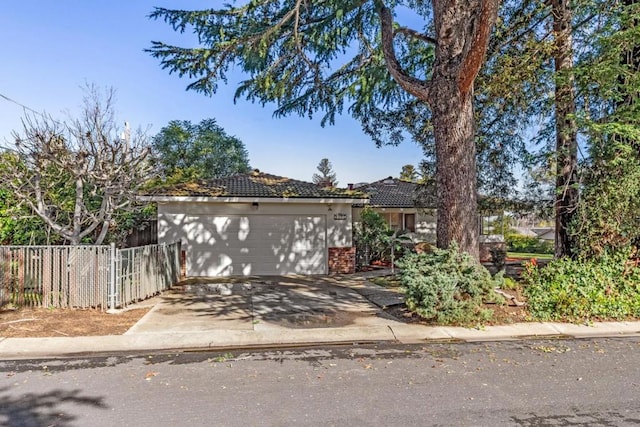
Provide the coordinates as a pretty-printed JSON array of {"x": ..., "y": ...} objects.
[
  {"x": 502, "y": 315},
  {"x": 42, "y": 322}
]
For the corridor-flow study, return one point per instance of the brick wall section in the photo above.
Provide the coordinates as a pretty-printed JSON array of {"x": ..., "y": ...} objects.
[{"x": 342, "y": 260}]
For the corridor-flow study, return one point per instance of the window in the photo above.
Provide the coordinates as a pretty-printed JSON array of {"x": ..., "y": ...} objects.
[
  {"x": 393, "y": 219},
  {"x": 399, "y": 221}
]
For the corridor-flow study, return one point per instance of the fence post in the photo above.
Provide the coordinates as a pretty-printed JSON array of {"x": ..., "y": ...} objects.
[{"x": 112, "y": 278}]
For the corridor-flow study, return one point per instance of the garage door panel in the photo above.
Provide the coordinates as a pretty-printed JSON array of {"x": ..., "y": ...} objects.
[{"x": 258, "y": 244}]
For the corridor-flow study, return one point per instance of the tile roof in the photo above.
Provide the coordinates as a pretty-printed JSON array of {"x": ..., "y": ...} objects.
[
  {"x": 392, "y": 193},
  {"x": 255, "y": 184}
]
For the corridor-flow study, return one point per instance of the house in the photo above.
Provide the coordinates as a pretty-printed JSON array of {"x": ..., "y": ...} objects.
[
  {"x": 406, "y": 206},
  {"x": 396, "y": 200},
  {"x": 548, "y": 234},
  {"x": 258, "y": 224}
]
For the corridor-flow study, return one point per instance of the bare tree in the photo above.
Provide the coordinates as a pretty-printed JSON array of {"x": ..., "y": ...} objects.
[{"x": 76, "y": 174}]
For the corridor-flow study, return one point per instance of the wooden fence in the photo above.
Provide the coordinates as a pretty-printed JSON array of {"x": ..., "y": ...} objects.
[
  {"x": 85, "y": 276},
  {"x": 142, "y": 236},
  {"x": 146, "y": 270}
]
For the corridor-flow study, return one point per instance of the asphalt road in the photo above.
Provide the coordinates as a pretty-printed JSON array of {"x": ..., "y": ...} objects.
[{"x": 524, "y": 383}]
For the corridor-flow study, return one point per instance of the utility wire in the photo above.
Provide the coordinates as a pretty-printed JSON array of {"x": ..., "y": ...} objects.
[
  {"x": 25, "y": 108},
  {"x": 19, "y": 104}
]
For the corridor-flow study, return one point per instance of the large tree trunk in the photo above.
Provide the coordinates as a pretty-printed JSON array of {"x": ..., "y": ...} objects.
[
  {"x": 454, "y": 128},
  {"x": 566, "y": 129},
  {"x": 462, "y": 32}
]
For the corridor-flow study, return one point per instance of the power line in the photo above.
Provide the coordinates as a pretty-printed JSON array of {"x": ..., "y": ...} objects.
[{"x": 24, "y": 107}]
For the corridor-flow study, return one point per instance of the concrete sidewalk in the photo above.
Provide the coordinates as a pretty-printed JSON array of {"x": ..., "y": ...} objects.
[{"x": 283, "y": 311}]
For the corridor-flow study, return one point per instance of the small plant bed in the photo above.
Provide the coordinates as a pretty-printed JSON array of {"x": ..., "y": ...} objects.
[
  {"x": 503, "y": 312},
  {"x": 449, "y": 287},
  {"x": 381, "y": 264},
  {"x": 446, "y": 287},
  {"x": 501, "y": 315}
]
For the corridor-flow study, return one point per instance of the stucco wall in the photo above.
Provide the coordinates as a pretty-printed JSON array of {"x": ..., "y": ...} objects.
[
  {"x": 425, "y": 227},
  {"x": 171, "y": 217}
]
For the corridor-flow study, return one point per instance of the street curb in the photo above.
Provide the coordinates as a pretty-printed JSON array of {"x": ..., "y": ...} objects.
[
  {"x": 61, "y": 347},
  {"x": 21, "y": 348}
]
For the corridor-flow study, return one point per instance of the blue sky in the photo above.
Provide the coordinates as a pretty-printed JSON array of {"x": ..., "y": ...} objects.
[{"x": 51, "y": 48}]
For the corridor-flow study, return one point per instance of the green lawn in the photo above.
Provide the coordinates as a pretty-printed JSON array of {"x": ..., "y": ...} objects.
[
  {"x": 386, "y": 281},
  {"x": 524, "y": 255}
]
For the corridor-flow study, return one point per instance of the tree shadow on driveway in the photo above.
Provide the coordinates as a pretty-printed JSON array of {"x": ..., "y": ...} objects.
[{"x": 284, "y": 301}]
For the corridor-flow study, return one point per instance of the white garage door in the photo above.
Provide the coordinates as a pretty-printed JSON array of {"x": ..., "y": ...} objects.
[{"x": 256, "y": 245}]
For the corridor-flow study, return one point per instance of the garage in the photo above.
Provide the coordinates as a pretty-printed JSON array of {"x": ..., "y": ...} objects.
[
  {"x": 258, "y": 224},
  {"x": 255, "y": 245}
]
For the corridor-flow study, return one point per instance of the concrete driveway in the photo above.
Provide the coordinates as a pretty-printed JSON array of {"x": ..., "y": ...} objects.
[{"x": 263, "y": 303}]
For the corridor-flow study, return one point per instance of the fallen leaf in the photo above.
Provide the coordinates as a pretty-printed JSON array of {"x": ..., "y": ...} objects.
[{"x": 150, "y": 375}]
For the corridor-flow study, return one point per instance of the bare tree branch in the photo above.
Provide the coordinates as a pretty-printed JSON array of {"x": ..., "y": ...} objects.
[{"x": 74, "y": 175}]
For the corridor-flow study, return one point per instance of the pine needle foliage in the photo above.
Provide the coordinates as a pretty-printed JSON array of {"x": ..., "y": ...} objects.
[{"x": 447, "y": 286}]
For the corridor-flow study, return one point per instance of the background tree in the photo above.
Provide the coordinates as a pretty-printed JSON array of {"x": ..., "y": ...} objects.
[
  {"x": 409, "y": 173},
  {"x": 526, "y": 102},
  {"x": 326, "y": 177},
  {"x": 609, "y": 74},
  {"x": 185, "y": 152},
  {"x": 292, "y": 53},
  {"x": 19, "y": 225},
  {"x": 75, "y": 175},
  {"x": 566, "y": 201}
]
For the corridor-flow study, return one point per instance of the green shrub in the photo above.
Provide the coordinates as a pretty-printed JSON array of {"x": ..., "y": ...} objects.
[
  {"x": 370, "y": 235},
  {"x": 447, "y": 286},
  {"x": 520, "y": 243},
  {"x": 579, "y": 290},
  {"x": 509, "y": 284}
]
